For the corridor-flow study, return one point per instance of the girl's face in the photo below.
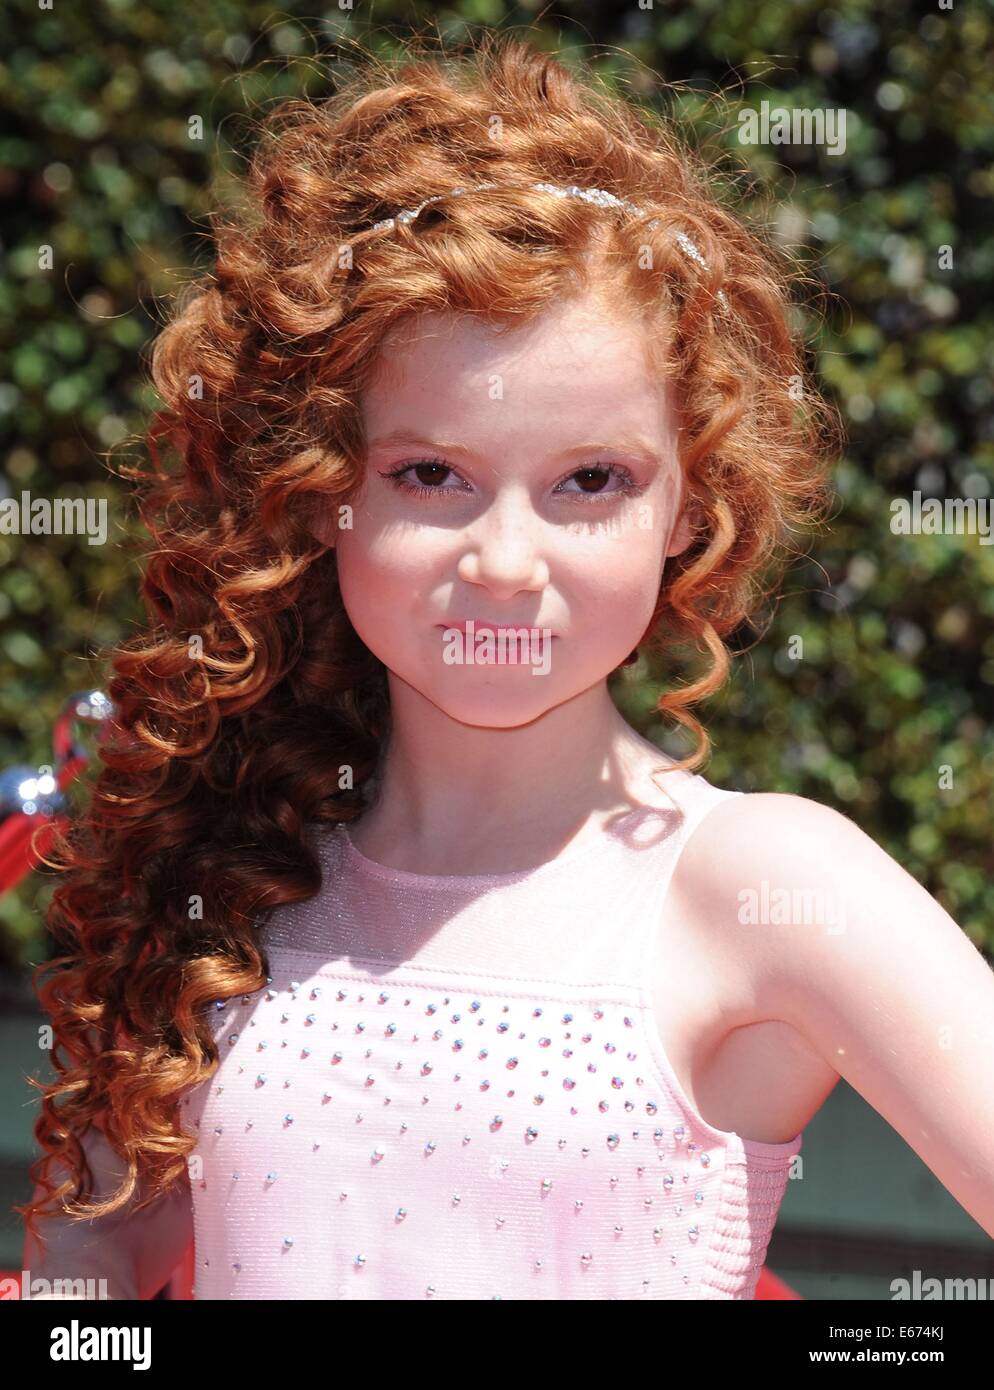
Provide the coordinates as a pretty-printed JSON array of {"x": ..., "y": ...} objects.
[{"x": 549, "y": 501}]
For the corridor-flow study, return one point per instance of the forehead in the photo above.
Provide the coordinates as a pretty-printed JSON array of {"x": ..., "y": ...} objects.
[
  {"x": 575, "y": 374},
  {"x": 582, "y": 343}
]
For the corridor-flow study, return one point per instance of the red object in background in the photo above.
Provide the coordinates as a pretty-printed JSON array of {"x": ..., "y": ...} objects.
[
  {"x": 180, "y": 1286},
  {"x": 15, "y": 852},
  {"x": 16, "y": 859},
  {"x": 770, "y": 1286}
]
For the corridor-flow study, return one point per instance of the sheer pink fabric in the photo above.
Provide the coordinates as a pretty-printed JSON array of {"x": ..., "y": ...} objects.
[{"x": 454, "y": 1088}]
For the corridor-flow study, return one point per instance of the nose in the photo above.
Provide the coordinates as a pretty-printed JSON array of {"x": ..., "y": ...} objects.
[{"x": 503, "y": 547}]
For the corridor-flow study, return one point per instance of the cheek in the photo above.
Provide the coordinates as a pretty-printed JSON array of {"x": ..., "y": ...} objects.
[
  {"x": 619, "y": 571},
  {"x": 381, "y": 578}
]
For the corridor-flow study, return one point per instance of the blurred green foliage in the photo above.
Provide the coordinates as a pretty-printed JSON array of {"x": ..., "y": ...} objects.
[{"x": 896, "y": 681}]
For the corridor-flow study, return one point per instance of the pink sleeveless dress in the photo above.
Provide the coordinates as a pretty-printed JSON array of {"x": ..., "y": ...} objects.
[{"x": 454, "y": 1088}]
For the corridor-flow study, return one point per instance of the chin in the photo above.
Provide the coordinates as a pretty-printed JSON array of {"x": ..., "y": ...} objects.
[{"x": 494, "y": 708}]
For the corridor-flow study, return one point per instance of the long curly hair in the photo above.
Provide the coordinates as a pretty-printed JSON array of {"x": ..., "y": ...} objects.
[{"x": 247, "y": 708}]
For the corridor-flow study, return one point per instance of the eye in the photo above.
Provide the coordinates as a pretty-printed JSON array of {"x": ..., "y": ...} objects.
[
  {"x": 431, "y": 468},
  {"x": 595, "y": 473},
  {"x": 591, "y": 477}
]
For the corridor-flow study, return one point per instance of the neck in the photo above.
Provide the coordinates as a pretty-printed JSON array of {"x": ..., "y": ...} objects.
[{"x": 457, "y": 798}]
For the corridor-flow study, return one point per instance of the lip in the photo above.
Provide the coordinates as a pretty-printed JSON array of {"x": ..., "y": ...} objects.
[{"x": 479, "y": 625}]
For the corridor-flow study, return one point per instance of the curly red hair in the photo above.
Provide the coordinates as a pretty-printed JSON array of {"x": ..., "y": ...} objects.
[{"x": 248, "y": 707}]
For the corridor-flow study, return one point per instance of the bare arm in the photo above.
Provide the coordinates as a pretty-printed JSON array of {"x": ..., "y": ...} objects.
[
  {"x": 891, "y": 994},
  {"x": 134, "y": 1253}
]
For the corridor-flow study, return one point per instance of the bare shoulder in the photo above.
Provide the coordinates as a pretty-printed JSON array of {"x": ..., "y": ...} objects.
[
  {"x": 817, "y": 926},
  {"x": 807, "y": 907},
  {"x": 765, "y": 878},
  {"x": 776, "y": 831},
  {"x": 742, "y": 966}
]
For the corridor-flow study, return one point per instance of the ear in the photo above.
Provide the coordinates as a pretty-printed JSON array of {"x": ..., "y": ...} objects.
[
  {"x": 683, "y": 532},
  {"x": 320, "y": 521}
]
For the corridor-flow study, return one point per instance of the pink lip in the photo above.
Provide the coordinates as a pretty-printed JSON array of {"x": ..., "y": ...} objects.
[{"x": 496, "y": 628}]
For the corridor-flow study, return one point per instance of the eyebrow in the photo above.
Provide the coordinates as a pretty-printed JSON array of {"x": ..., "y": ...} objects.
[{"x": 629, "y": 444}]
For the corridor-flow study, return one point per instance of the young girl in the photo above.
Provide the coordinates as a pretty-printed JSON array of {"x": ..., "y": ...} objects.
[{"x": 396, "y": 964}]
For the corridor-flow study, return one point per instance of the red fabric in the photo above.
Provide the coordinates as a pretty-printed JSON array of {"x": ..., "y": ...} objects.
[
  {"x": 16, "y": 859},
  {"x": 770, "y": 1286},
  {"x": 180, "y": 1285}
]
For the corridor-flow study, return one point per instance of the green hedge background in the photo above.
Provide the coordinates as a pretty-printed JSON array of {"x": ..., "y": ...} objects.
[{"x": 897, "y": 676}]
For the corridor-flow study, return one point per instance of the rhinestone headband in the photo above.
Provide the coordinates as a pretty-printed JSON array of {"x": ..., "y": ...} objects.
[{"x": 599, "y": 196}]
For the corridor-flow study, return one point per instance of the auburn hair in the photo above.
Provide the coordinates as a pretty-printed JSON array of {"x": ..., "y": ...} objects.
[{"x": 246, "y": 707}]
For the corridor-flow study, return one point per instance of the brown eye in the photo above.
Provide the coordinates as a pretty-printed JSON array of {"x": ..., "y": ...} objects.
[
  {"x": 593, "y": 478},
  {"x": 429, "y": 474}
]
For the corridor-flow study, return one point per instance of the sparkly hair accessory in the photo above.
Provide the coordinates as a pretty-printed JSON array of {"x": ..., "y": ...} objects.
[{"x": 598, "y": 196}]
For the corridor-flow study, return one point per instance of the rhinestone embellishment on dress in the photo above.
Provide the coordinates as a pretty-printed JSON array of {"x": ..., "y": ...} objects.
[
  {"x": 650, "y": 1162},
  {"x": 453, "y": 1092}
]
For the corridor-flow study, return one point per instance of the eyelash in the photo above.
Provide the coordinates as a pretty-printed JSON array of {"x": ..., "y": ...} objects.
[{"x": 629, "y": 486}]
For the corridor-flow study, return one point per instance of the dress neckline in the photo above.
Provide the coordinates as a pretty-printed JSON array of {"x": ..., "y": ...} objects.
[{"x": 608, "y": 837}]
